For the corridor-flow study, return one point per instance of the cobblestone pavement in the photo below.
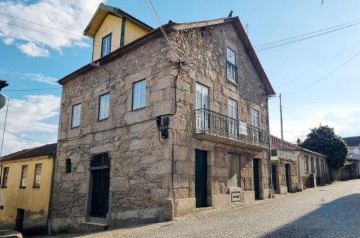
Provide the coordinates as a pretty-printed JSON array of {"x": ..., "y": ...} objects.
[{"x": 329, "y": 211}]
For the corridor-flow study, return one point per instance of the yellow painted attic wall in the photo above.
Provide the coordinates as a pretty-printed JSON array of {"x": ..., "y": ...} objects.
[
  {"x": 34, "y": 201},
  {"x": 133, "y": 31},
  {"x": 112, "y": 24}
]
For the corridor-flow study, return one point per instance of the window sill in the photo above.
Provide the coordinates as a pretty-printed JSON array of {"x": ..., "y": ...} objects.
[
  {"x": 74, "y": 127},
  {"x": 232, "y": 81},
  {"x": 3, "y": 186},
  {"x": 103, "y": 119},
  {"x": 138, "y": 109},
  {"x": 22, "y": 187},
  {"x": 36, "y": 186}
]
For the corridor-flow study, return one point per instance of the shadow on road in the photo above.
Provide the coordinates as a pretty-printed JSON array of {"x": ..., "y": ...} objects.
[{"x": 338, "y": 218}]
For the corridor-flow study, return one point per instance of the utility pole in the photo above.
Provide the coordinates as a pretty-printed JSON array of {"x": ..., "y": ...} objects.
[{"x": 281, "y": 122}]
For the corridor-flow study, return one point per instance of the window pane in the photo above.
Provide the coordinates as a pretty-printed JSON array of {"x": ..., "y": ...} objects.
[
  {"x": 139, "y": 94},
  {"x": 76, "y": 114},
  {"x": 23, "y": 176},
  {"x": 104, "y": 106},
  {"x": 37, "y": 175},
  {"x": 106, "y": 45},
  {"x": 230, "y": 56},
  {"x": 5, "y": 176}
]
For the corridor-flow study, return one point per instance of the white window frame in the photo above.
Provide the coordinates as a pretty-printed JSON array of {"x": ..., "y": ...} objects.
[
  {"x": 306, "y": 164},
  {"x": 106, "y": 45},
  {"x": 76, "y": 115},
  {"x": 231, "y": 69},
  {"x": 233, "y": 117},
  {"x": 139, "y": 95},
  {"x": 104, "y": 106}
]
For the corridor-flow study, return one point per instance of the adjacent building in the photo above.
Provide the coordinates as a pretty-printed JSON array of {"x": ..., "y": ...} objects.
[
  {"x": 353, "y": 157},
  {"x": 25, "y": 189},
  {"x": 284, "y": 166},
  {"x": 161, "y": 126}
]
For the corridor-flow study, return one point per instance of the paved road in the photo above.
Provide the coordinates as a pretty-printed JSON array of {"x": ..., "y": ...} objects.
[{"x": 330, "y": 211}]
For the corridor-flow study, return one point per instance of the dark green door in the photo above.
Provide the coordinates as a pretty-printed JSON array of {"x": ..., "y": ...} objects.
[
  {"x": 273, "y": 176},
  {"x": 201, "y": 178},
  {"x": 256, "y": 178},
  {"x": 100, "y": 193}
]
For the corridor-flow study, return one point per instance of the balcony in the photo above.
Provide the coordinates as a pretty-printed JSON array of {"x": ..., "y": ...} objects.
[{"x": 216, "y": 127}]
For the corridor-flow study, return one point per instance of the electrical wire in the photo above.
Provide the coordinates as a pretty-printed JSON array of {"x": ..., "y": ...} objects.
[
  {"x": 326, "y": 76},
  {"x": 21, "y": 137},
  {"x": 25, "y": 90},
  {"x": 305, "y": 38}
]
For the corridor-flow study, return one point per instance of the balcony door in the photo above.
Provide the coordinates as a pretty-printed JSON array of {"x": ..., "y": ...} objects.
[
  {"x": 233, "y": 118},
  {"x": 202, "y": 107}
]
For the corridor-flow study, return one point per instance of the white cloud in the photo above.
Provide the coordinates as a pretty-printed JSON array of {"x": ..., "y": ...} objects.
[
  {"x": 38, "y": 77},
  {"x": 29, "y": 118},
  {"x": 65, "y": 21},
  {"x": 33, "y": 50},
  {"x": 299, "y": 122}
]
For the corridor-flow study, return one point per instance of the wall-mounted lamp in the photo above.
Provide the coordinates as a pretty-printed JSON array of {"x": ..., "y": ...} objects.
[
  {"x": 98, "y": 66},
  {"x": 163, "y": 125}
]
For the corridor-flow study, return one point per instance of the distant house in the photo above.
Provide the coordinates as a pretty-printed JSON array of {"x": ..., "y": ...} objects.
[
  {"x": 161, "y": 127},
  {"x": 313, "y": 168},
  {"x": 284, "y": 166},
  {"x": 25, "y": 189},
  {"x": 353, "y": 157}
]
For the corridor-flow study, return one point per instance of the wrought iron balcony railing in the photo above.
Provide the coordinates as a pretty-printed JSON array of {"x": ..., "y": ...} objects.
[{"x": 207, "y": 121}]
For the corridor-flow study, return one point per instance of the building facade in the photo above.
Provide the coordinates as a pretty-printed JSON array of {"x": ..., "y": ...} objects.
[
  {"x": 353, "y": 157},
  {"x": 162, "y": 128},
  {"x": 25, "y": 189},
  {"x": 284, "y": 166},
  {"x": 313, "y": 168}
]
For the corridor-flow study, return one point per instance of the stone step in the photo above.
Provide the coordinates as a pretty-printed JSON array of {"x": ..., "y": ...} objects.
[{"x": 93, "y": 227}]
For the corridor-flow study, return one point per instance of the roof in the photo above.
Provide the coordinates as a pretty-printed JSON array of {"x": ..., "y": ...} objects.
[
  {"x": 172, "y": 26},
  {"x": 100, "y": 15},
  {"x": 311, "y": 152},
  {"x": 49, "y": 149},
  {"x": 352, "y": 141},
  {"x": 276, "y": 141}
]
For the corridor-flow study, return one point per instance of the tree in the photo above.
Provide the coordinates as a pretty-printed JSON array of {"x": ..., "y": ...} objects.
[{"x": 324, "y": 140}]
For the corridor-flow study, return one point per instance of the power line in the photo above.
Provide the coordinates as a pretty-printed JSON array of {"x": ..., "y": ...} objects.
[
  {"x": 326, "y": 76},
  {"x": 21, "y": 137},
  {"x": 306, "y": 38},
  {"x": 318, "y": 66},
  {"x": 32, "y": 89},
  {"x": 1, "y": 13}
]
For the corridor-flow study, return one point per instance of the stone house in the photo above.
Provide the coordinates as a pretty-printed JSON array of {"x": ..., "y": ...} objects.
[
  {"x": 313, "y": 168},
  {"x": 162, "y": 127},
  {"x": 25, "y": 189},
  {"x": 284, "y": 166}
]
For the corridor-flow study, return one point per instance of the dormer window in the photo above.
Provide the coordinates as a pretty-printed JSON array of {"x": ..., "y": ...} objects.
[{"x": 106, "y": 45}]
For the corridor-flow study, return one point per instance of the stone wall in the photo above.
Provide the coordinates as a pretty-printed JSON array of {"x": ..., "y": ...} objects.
[{"x": 145, "y": 169}]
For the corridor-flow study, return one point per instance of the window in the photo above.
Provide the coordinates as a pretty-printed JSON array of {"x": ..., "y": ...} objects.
[
  {"x": 76, "y": 116},
  {"x": 202, "y": 106},
  {"x": 233, "y": 117},
  {"x": 306, "y": 164},
  {"x": 23, "y": 176},
  {"x": 139, "y": 95},
  {"x": 5, "y": 177},
  {"x": 106, "y": 45},
  {"x": 255, "y": 122},
  {"x": 312, "y": 165},
  {"x": 231, "y": 70},
  {"x": 322, "y": 168},
  {"x": 104, "y": 102},
  {"x": 37, "y": 176}
]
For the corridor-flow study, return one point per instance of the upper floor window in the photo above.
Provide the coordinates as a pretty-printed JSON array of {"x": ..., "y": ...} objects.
[
  {"x": 5, "y": 177},
  {"x": 104, "y": 105},
  {"x": 233, "y": 117},
  {"x": 255, "y": 118},
  {"x": 139, "y": 94},
  {"x": 23, "y": 176},
  {"x": 76, "y": 115},
  {"x": 37, "y": 176},
  {"x": 106, "y": 45},
  {"x": 231, "y": 70}
]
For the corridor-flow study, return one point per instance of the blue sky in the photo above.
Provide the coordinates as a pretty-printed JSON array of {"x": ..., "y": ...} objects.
[{"x": 31, "y": 59}]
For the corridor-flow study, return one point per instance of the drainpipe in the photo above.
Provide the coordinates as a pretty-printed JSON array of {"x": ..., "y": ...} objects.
[
  {"x": 50, "y": 208},
  {"x": 271, "y": 187}
]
